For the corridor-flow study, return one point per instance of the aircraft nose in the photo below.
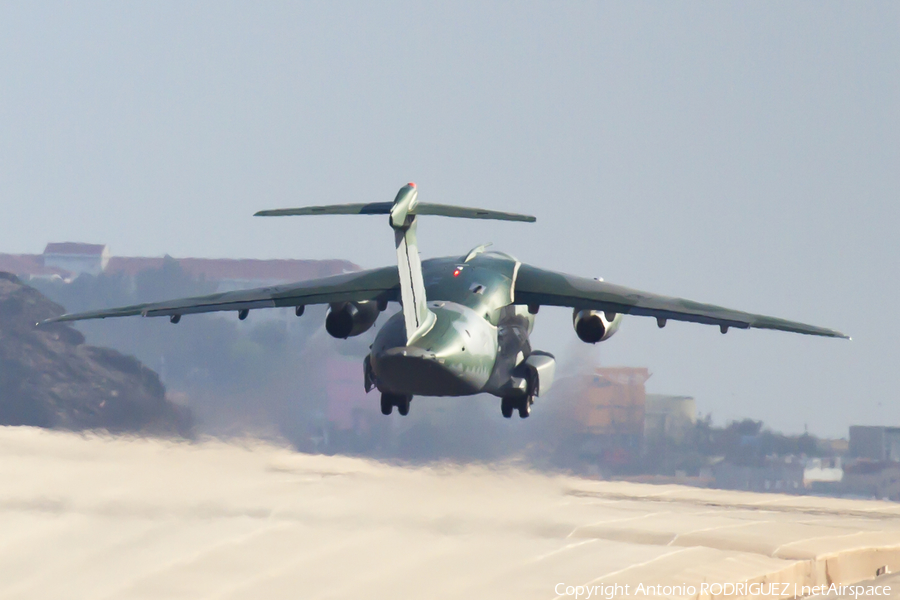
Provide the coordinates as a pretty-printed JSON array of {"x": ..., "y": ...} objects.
[{"x": 413, "y": 370}]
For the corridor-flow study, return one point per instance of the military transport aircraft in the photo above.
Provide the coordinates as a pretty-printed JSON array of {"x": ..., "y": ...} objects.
[{"x": 465, "y": 320}]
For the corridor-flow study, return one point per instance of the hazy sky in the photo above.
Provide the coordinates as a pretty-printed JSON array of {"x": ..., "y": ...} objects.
[{"x": 744, "y": 154}]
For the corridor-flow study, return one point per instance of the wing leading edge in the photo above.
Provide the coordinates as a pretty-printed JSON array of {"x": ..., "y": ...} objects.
[
  {"x": 541, "y": 287},
  {"x": 374, "y": 284}
]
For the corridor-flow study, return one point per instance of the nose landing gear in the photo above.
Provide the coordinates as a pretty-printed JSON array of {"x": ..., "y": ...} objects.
[{"x": 389, "y": 401}]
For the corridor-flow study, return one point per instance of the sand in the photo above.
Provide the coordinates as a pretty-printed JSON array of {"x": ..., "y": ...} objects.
[{"x": 92, "y": 516}]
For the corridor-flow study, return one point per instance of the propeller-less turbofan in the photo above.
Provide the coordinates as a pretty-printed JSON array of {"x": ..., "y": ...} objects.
[{"x": 465, "y": 324}]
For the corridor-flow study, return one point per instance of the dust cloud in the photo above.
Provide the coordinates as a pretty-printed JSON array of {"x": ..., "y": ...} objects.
[{"x": 90, "y": 516}]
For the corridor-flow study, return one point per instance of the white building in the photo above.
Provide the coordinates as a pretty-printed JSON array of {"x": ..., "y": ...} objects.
[{"x": 77, "y": 258}]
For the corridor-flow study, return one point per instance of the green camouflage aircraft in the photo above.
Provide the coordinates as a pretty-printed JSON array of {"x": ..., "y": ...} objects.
[{"x": 466, "y": 319}]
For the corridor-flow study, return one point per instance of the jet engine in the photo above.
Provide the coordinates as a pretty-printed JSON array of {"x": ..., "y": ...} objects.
[
  {"x": 594, "y": 326},
  {"x": 347, "y": 319}
]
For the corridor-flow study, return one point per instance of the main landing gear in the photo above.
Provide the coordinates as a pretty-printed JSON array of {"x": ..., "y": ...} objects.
[
  {"x": 389, "y": 401},
  {"x": 523, "y": 405}
]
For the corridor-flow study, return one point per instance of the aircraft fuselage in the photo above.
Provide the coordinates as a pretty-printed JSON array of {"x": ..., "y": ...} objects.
[{"x": 478, "y": 339}]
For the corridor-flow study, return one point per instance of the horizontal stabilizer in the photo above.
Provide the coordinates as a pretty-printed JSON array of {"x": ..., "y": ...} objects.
[
  {"x": 461, "y": 212},
  {"x": 373, "y": 208},
  {"x": 384, "y": 208}
]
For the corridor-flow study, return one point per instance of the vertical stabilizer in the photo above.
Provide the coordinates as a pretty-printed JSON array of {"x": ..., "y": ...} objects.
[{"x": 419, "y": 320}]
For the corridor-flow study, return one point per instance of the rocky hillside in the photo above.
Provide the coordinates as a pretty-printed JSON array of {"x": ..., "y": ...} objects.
[{"x": 50, "y": 378}]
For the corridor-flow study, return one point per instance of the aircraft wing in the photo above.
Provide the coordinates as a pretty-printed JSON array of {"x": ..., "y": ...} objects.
[
  {"x": 374, "y": 284},
  {"x": 541, "y": 287}
]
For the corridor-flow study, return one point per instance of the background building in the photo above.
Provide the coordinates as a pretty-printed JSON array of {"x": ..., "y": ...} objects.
[
  {"x": 607, "y": 412},
  {"x": 670, "y": 417},
  {"x": 76, "y": 258},
  {"x": 875, "y": 442},
  {"x": 66, "y": 261}
]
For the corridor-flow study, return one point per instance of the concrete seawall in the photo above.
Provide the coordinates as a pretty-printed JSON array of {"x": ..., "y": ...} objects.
[{"x": 87, "y": 516}]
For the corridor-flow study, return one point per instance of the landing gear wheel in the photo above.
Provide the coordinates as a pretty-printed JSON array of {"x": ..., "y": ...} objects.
[
  {"x": 525, "y": 407},
  {"x": 389, "y": 401},
  {"x": 506, "y": 407}
]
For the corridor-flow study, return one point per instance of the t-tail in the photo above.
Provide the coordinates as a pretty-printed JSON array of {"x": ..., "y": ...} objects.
[{"x": 403, "y": 212}]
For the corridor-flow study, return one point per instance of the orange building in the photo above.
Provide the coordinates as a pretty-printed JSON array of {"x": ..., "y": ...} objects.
[
  {"x": 612, "y": 401},
  {"x": 608, "y": 406}
]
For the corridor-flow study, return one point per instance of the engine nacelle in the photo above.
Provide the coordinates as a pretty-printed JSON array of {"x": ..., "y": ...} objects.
[
  {"x": 594, "y": 326},
  {"x": 347, "y": 319}
]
